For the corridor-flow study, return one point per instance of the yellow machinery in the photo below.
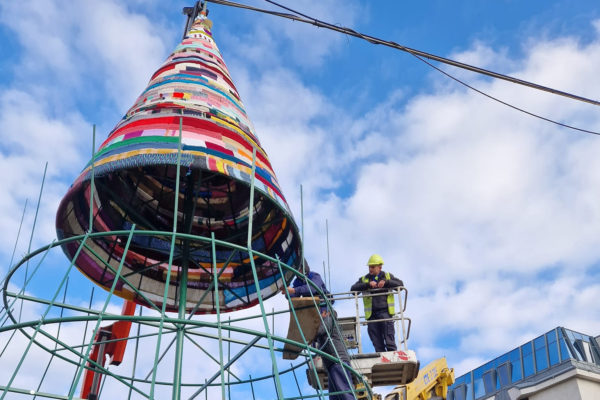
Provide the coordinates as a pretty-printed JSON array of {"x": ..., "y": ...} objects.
[{"x": 431, "y": 383}]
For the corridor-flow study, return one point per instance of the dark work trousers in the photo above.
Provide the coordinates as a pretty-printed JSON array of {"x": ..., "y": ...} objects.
[
  {"x": 382, "y": 333},
  {"x": 339, "y": 380}
]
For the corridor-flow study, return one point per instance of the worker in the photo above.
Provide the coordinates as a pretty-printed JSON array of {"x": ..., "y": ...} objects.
[
  {"x": 300, "y": 288},
  {"x": 328, "y": 338},
  {"x": 379, "y": 307}
]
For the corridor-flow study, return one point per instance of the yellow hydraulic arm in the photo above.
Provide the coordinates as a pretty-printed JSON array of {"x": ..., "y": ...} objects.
[{"x": 433, "y": 380}]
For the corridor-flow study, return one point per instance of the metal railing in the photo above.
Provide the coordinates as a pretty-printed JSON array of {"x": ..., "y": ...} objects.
[{"x": 401, "y": 322}]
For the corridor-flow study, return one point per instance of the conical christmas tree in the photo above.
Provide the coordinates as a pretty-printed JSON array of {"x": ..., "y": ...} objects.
[{"x": 190, "y": 116}]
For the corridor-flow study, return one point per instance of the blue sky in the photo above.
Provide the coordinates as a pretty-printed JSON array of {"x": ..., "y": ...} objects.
[{"x": 491, "y": 217}]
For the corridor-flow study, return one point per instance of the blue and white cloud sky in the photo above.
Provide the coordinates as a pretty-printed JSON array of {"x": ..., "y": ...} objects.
[{"x": 490, "y": 216}]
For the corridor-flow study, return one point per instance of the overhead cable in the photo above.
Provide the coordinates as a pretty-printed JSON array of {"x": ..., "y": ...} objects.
[{"x": 422, "y": 56}]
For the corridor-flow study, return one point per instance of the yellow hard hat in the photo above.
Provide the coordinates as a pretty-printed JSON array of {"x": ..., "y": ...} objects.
[{"x": 375, "y": 259}]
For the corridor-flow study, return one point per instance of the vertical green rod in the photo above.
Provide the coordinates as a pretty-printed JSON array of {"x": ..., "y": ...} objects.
[
  {"x": 170, "y": 267},
  {"x": 86, "y": 357},
  {"x": 328, "y": 265},
  {"x": 90, "y": 225},
  {"x": 251, "y": 387},
  {"x": 86, "y": 326},
  {"x": 37, "y": 209},
  {"x": 12, "y": 257},
  {"x": 135, "y": 355},
  {"x": 55, "y": 344},
  {"x": 273, "y": 318},
  {"x": 229, "y": 359},
  {"x": 302, "y": 227},
  {"x": 273, "y": 324},
  {"x": 256, "y": 281},
  {"x": 217, "y": 304},
  {"x": 325, "y": 277},
  {"x": 296, "y": 379},
  {"x": 41, "y": 321},
  {"x": 183, "y": 274}
]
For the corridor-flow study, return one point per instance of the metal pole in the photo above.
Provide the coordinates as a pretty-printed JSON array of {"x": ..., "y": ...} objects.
[
  {"x": 188, "y": 210},
  {"x": 255, "y": 277},
  {"x": 169, "y": 269},
  {"x": 55, "y": 344},
  {"x": 358, "y": 327},
  {"x": 325, "y": 277},
  {"x": 217, "y": 304},
  {"x": 402, "y": 319},
  {"x": 251, "y": 387},
  {"x": 302, "y": 227},
  {"x": 229, "y": 360},
  {"x": 135, "y": 354},
  {"x": 91, "y": 221},
  {"x": 328, "y": 264},
  {"x": 12, "y": 257},
  {"x": 296, "y": 379},
  {"x": 37, "y": 209}
]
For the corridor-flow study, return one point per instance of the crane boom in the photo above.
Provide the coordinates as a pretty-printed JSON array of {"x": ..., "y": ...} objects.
[{"x": 431, "y": 383}]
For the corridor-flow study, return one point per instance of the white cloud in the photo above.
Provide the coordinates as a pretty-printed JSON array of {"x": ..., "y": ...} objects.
[
  {"x": 34, "y": 137},
  {"x": 126, "y": 45},
  {"x": 82, "y": 46},
  {"x": 309, "y": 47}
]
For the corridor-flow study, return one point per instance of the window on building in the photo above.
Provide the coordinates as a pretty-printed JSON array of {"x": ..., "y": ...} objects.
[
  {"x": 460, "y": 392},
  {"x": 564, "y": 349},
  {"x": 552, "y": 340},
  {"x": 541, "y": 354},
  {"x": 450, "y": 395},
  {"x": 515, "y": 363},
  {"x": 505, "y": 374},
  {"x": 528, "y": 367},
  {"x": 584, "y": 350},
  {"x": 596, "y": 351},
  {"x": 478, "y": 388},
  {"x": 490, "y": 381}
]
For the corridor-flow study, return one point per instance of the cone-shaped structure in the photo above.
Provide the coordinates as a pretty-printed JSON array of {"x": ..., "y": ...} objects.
[{"x": 190, "y": 99}]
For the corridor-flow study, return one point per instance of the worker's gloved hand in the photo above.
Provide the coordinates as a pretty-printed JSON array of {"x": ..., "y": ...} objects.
[
  {"x": 373, "y": 284},
  {"x": 290, "y": 290},
  {"x": 380, "y": 284}
]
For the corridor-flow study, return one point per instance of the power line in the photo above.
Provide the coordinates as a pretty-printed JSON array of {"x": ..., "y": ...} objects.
[
  {"x": 506, "y": 103},
  {"x": 422, "y": 56}
]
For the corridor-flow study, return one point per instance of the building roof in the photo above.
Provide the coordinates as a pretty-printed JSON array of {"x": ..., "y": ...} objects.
[{"x": 535, "y": 364}]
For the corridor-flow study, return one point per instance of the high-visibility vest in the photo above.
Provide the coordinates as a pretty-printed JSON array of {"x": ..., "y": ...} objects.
[{"x": 368, "y": 301}]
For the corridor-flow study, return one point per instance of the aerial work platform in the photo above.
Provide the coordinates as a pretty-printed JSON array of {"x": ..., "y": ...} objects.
[{"x": 379, "y": 369}]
